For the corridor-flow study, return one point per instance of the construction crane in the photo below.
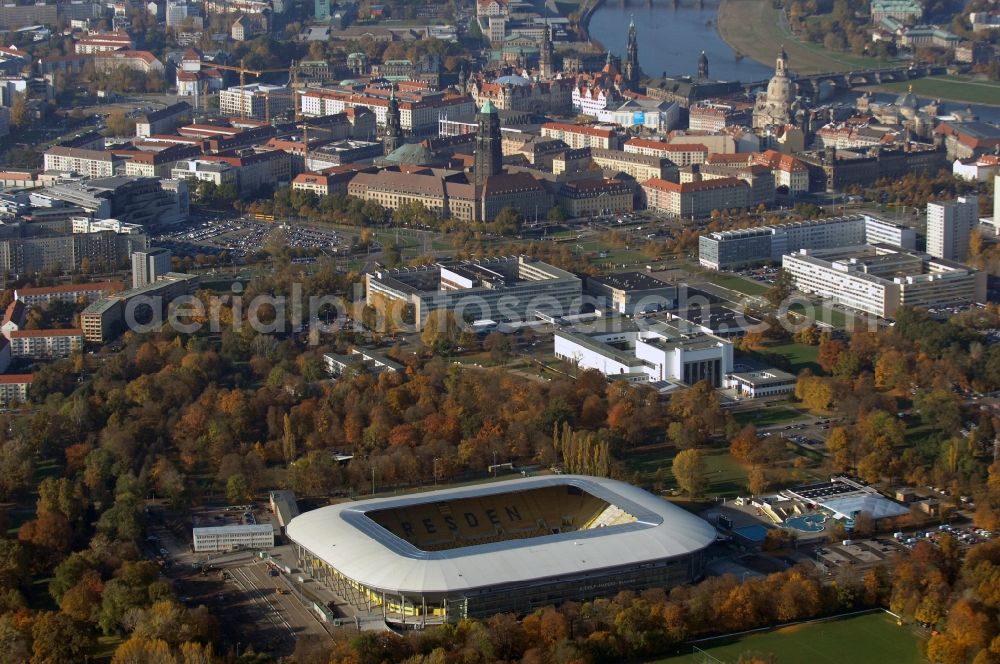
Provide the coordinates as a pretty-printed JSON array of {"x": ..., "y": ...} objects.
[{"x": 243, "y": 71}]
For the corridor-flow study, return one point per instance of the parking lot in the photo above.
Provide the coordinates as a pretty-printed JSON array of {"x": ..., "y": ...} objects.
[{"x": 242, "y": 236}]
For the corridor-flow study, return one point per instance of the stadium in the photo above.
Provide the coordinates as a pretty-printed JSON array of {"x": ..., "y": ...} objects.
[{"x": 512, "y": 546}]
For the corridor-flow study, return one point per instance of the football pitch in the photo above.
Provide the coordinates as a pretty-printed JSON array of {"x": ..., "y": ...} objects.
[{"x": 872, "y": 638}]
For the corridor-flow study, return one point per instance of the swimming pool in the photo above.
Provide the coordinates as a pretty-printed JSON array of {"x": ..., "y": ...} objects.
[{"x": 807, "y": 523}]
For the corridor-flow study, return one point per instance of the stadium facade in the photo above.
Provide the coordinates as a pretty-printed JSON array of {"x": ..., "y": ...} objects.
[{"x": 512, "y": 546}]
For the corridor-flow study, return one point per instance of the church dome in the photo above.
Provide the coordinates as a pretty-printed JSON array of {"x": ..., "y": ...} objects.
[
  {"x": 512, "y": 79},
  {"x": 906, "y": 100}
]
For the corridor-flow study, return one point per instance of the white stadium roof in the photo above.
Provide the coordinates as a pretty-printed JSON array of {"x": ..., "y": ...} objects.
[{"x": 360, "y": 549}]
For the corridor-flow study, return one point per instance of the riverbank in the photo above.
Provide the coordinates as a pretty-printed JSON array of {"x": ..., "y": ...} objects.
[{"x": 755, "y": 28}]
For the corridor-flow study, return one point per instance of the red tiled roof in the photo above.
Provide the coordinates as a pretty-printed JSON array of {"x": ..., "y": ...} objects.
[
  {"x": 111, "y": 286},
  {"x": 688, "y": 187},
  {"x": 73, "y": 332}
]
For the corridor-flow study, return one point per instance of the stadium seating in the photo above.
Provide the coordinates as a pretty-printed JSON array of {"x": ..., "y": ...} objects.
[{"x": 499, "y": 517}]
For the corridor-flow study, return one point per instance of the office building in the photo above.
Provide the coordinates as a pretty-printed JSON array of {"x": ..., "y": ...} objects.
[
  {"x": 513, "y": 287},
  {"x": 949, "y": 224},
  {"x": 631, "y": 293},
  {"x": 149, "y": 266},
  {"x": 254, "y": 536},
  {"x": 880, "y": 280},
  {"x": 737, "y": 249},
  {"x": 258, "y": 101}
]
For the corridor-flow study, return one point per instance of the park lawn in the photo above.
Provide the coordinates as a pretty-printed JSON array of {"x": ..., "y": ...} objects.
[
  {"x": 769, "y": 416},
  {"x": 725, "y": 475},
  {"x": 957, "y": 88},
  {"x": 801, "y": 356},
  {"x": 872, "y": 638},
  {"x": 738, "y": 284}
]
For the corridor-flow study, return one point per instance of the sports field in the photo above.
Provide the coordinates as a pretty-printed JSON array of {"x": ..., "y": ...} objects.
[{"x": 872, "y": 638}]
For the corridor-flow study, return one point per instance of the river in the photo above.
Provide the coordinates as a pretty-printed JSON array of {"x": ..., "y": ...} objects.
[{"x": 671, "y": 37}]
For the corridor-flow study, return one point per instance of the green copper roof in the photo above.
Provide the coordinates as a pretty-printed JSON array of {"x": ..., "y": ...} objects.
[{"x": 488, "y": 107}]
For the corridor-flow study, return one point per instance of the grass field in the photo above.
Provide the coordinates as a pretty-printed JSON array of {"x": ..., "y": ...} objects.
[
  {"x": 738, "y": 284},
  {"x": 956, "y": 88},
  {"x": 801, "y": 356},
  {"x": 873, "y": 638},
  {"x": 765, "y": 417},
  {"x": 726, "y": 477}
]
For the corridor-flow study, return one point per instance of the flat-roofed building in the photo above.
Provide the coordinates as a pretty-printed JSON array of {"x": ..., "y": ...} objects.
[
  {"x": 365, "y": 359},
  {"x": 659, "y": 352},
  {"x": 761, "y": 383},
  {"x": 880, "y": 280},
  {"x": 736, "y": 249},
  {"x": 509, "y": 287},
  {"x": 254, "y": 536},
  {"x": 90, "y": 163},
  {"x": 631, "y": 293},
  {"x": 255, "y": 100}
]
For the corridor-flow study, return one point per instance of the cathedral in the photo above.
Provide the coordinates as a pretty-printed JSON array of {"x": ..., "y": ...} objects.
[{"x": 774, "y": 107}]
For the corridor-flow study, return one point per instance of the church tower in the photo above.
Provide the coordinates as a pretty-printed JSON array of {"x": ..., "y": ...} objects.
[
  {"x": 546, "y": 54},
  {"x": 393, "y": 125},
  {"x": 703, "y": 66},
  {"x": 632, "y": 59},
  {"x": 489, "y": 153}
]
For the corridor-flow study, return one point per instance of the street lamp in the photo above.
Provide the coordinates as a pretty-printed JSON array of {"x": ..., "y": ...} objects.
[
  {"x": 494, "y": 463},
  {"x": 436, "y": 459}
]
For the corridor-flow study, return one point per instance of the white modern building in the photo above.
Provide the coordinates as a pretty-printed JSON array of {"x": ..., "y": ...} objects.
[
  {"x": 761, "y": 383},
  {"x": 880, "y": 280},
  {"x": 228, "y": 538},
  {"x": 657, "y": 353},
  {"x": 949, "y": 224},
  {"x": 729, "y": 250}
]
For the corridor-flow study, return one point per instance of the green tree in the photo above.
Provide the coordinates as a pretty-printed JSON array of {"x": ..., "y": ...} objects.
[
  {"x": 689, "y": 471},
  {"x": 237, "y": 489}
]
